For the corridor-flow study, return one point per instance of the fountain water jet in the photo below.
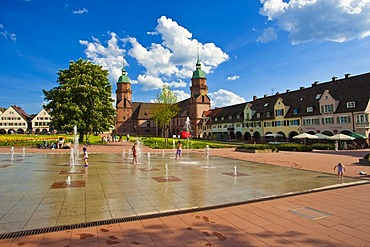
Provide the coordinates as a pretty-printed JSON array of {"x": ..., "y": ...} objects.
[
  {"x": 68, "y": 180},
  {"x": 149, "y": 168},
  {"x": 73, "y": 159}
]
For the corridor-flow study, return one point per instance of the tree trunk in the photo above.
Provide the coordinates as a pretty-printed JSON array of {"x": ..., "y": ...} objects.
[{"x": 81, "y": 137}]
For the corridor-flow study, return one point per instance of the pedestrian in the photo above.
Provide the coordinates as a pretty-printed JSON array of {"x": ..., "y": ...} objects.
[
  {"x": 86, "y": 157},
  {"x": 127, "y": 137},
  {"x": 134, "y": 154},
  {"x": 178, "y": 149},
  {"x": 340, "y": 168}
]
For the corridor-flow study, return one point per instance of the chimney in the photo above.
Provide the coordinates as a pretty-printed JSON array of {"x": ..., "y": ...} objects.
[
  {"x": 315, "y": 83},
  {"x": 265, "y": 95},
  {"x": 254, "y": 97},
  {"x": 334, "y": 78},
  {"x": 301, "y": 88},
  {"x": 347, "y": 76},
  {"x": 277, "y": 93},
  {"x": 287, "y": 91}
]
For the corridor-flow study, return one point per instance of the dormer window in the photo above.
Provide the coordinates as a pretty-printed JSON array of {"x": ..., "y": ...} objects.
[
  {"x": 268, "y": 114},
  {"x": 237, "y": 116},
  {"x": 318, "y": 96},
  {"x": 327, "y": 108},
  {"x": 222, "y": 118},
  {"x": 309, "y": 109},
  {"x": 350, "y": 104},
  {"x": 230, "y": 117},
  {"x": 295, "y": 111},
  {"x": 216, "y": 119},
  {"x": 258, "y": 114},
  {"x": 279, "y": 112}
]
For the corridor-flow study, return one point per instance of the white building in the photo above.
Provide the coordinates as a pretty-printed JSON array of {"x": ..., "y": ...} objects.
[
  {"x": 14, "y": 120},
  {"x": 41, "y": 122}
]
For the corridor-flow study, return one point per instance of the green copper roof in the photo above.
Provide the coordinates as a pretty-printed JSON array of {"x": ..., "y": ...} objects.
[
  {"x": 123, "y": 78},
  {"x": 198, "y": 73}
]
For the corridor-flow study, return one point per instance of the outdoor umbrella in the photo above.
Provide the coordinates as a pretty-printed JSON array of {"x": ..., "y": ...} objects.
[
  {"x": 341, "y": 137},
  {"x": 305, "y": 136},
  {"x": 274, "y": 135},
  {"x": 321, "y": 136},
  {"x": 358, "y": 136}
]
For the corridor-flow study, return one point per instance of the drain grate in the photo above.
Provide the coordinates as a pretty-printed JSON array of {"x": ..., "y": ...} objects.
[{"x": 309, "y": 213}]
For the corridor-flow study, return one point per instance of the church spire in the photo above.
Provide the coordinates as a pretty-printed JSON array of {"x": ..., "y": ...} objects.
[{"x": 123, "y": 78}]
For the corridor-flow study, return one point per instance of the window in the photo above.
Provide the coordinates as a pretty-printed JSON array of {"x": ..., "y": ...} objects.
[
  {"x": 267, "y": 124},
  {"x": 294, "y": 122},
  {"x": 318, "y": 96},
  {"x": 328, "y": 120},
  {"x": 230, "y": 117},
  {"x": 351, "y": 104},
  {"x": 362, "y": 118},
  {"x": 266, "y": 104},
  {"x": 222, "y": 118},
  {"x": 311, "y": 121},
  {"x": 343, "y": 119},
  {"x": 215, "y": 119},
  {"x": 238, "y": 116},
  {"x": 279, "y": 112},
  {"x": 295, "y": 111},
  {"x": 268, "y": 114},
  {"x": 258, "y": 114},
  {"x": 327, "y": 108}
]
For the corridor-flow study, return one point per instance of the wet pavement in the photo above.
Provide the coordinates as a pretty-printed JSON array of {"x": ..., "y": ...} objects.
[{"x": 34, "y": 194}]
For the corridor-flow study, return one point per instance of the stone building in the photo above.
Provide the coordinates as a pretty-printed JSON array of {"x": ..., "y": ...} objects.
[{"x": 135, "y": 118}]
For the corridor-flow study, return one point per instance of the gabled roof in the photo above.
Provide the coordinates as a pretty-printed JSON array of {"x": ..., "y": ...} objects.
[
  {"x": 142, "y": 111},
  {"x": 354, "y": 88},
  {"x": 21, "y": 112},
  {"x": 233, "y": 111}
]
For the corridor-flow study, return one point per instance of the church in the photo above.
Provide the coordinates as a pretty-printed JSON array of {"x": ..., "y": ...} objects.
[{"x": 135, "y": 118}]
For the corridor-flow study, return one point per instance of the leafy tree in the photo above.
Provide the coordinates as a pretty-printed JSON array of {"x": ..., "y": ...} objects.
[
  {"x": 166, "y": 109},
  {"x": 83, "y": 98}
]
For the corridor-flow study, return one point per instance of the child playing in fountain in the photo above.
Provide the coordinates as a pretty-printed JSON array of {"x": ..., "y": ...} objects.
[
  {"x": 86, "y": 157},
  {"x": 178, "y": 149},
  {"x": 134, "y": 154},
  {"x": 340, "y": 169}
]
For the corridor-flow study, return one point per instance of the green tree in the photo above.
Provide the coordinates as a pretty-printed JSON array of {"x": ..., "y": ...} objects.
[
  {"x": 166, "y": 109},
  {"x": 83, "y": 98}
]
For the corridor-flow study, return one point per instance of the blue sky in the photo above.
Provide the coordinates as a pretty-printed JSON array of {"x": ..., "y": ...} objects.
[{"x": 246, "y": 48}]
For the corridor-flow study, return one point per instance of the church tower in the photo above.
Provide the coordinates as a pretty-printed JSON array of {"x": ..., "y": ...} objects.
[
  {"x": 123, "y": 104},
  {"x": 199, "y": 100}
]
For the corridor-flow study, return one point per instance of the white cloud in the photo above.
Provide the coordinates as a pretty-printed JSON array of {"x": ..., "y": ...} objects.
[
  {"x": 109, "y": 57},
  {"x": 325, "y": 20},
  {"x": 225, "y": 98},
  {"x": 6, "y": 34},
  {"x": 268, "y": 35},
  {"x": 181, "y": 95},
  {"x": 170, "y": 62},
  {"x": 173, "y": 59},
  {"x": 233, "y": 78},
  {"x": 80, "y": 11},
  {"x": 149, "y": 82}
]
